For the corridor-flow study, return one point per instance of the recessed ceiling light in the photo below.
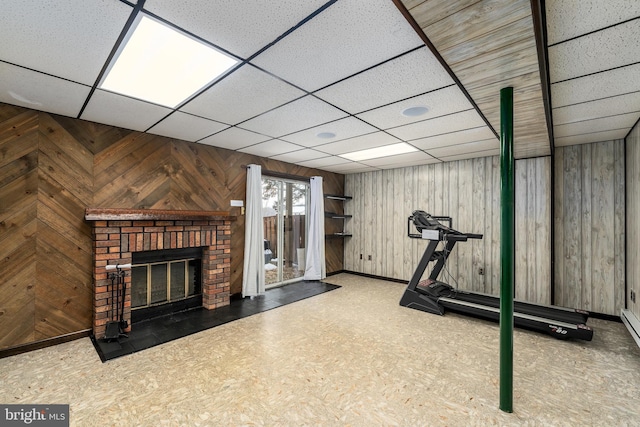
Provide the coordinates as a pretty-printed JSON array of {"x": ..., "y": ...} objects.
[
  {"x": 162, "y": 65},
  {"x": 384, "y": 151},
  {"x": 326, "y": 135},
  {"x": 415, "y": 111}
]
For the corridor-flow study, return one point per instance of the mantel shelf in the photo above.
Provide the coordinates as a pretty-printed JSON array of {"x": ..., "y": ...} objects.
[{"x": 118, "y": 214}]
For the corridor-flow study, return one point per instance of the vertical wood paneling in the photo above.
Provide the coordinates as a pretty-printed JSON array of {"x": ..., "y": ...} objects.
[
  {"x": 494, "y": 230},
  {"x": 589, "y": 226},
  {"x": 366, "y": 194},
  {"x": 407, "y": 203},
  {"x": 619, "y": 223},
  {"x": 602, "y": 228},
  {"x": 478, "y": 223},
  {"x": 571, "y": 231},
  {"x": 379, "y": 244},
  {"x": 349, "y": 243},
  {"x": 468, "y": 191},
  {"x": 533, "y": 230},
  {"x": 585, "y": 221},
  {"x": 399, "y": 224},
  {"x": 633, "y": 218},
  {"x": 558, "y": 206}
]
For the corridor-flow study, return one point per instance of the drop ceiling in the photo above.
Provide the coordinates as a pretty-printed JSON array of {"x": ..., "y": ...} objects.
[{"x": 312, "y": 69}]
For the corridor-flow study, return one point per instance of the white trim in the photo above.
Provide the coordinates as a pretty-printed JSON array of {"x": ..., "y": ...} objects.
[{"x": 632, "y": 323}]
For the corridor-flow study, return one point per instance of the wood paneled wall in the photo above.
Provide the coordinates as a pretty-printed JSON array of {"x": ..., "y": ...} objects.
[
  {"x": 53, "y": 167},
  {"x": 590, "y": 226},
  {"x": 533, "y": 230},
  {"x": 468, "y": 191},
  {"x": 589, "y": 243},
  {"x": 633, "y": 218}
]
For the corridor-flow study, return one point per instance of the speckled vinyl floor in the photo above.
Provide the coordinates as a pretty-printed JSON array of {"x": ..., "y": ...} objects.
[{"x": 350, "y": 357}]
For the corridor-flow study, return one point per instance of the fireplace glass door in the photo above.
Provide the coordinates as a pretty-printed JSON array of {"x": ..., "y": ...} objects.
[{"x": 163, "y": 282}]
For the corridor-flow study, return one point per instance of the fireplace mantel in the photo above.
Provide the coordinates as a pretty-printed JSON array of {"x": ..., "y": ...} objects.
[
  {"x": 117, "y": 214},
  {"x": 118, "y": 233}
]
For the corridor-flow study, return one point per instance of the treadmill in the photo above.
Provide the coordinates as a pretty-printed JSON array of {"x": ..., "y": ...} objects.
[{"x": 434, "y": 296}]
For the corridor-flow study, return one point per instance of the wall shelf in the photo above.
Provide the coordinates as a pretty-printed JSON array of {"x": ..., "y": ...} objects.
[
  {"x": 337, "y": 197},
  {"x": 338, "y": 216}
]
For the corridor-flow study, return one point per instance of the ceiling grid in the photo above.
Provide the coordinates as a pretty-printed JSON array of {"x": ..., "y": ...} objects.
[{"x": 319, "y": 79}]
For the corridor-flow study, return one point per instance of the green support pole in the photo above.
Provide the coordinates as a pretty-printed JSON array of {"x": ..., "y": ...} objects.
[{"x": 507, "y": 249}]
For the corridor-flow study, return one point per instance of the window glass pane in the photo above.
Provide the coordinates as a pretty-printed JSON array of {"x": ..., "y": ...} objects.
[
  {"x": 158, "y": 283},
  {"x": 177, "y": 280},
  {"x": 139, "y": 286}
]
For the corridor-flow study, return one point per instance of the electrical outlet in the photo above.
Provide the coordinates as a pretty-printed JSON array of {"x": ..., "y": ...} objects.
[
  {"x": 481, "y": 271},
  {"x": 369, "y": 257},
  {"x": 360, "y": 256}
]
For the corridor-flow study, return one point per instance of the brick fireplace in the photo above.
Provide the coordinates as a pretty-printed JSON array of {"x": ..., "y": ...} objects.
[{"x": 117, "y": 233}]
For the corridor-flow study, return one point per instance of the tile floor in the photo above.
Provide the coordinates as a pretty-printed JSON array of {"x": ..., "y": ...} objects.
[
  {"x": 349, "y": 357},
  {"x": 159, "y": 330}
]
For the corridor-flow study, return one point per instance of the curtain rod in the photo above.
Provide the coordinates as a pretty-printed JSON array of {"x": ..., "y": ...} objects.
[{"x": 281, "y": 174}]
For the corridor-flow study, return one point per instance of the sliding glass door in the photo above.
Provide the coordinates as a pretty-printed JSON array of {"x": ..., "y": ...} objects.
[{"x": 284, "y": 211}]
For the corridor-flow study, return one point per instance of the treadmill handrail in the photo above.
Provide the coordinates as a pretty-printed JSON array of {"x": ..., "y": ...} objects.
[{"x": 431, "y": 222}]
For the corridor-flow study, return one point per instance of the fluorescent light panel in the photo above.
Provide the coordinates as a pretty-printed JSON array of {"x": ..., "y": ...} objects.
[
  {"x": 384, "y": 151},
  {"x": 162, "y": 65}
]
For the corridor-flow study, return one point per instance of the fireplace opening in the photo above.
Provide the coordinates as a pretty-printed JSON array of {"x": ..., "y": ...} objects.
[{"x": 164, "y": 282}]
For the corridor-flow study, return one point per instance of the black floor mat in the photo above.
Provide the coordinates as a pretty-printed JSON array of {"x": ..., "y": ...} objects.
[{"x": 163, "y": 329}]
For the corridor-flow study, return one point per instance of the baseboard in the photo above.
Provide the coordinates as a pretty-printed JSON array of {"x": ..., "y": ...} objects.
[
  {"x": 632, "y": 323},
  {"x": 24, "y": 348},
  {"x": 373, "y": 276},
  {"x": 602, "y": 316},
  {"x": 333, "y": 273}
]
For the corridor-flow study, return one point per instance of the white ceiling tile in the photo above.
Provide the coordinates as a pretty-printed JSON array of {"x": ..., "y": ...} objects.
[
  {"x": 358, "y": 143},
  {"x": 440, "y": 102},
  {"x": 241, "y": 27},
  {"x": 186, "y": 127},
  {"x": 600, "y": 108},
  {"x": 454, "y": 138},
  {"x": 611, "y": 83},
  {"x": 411, "y": 74},
  {"x": 300, "y": 155},
  {"x": 474, "y": 155},
  {"x": 401, "y": 160},
  {"x": 604, "y": 50},
  {"x": 588, "y": 138},
  {"x": 569, "y": 19},
  {"x": 466, "y": 148},
  {"x": 343, "y": 129},
  {"x": 348, "y": 37},
  {"x": 324, "y": 162},
  {"x": 234, "y": 138},
  {"x": 352, "y": 167},
  {"x": 441, "y": 125},
  {"x": 117, "y": 110},
  {"x": 38, "y": 91},
  {"x": 293, "y": 117},
  {"x": 621, "y": 121},
  {"x": 242, "y": 95},
  {"x": 70, "y": 39},
  {"x": 270, "y": 148}
]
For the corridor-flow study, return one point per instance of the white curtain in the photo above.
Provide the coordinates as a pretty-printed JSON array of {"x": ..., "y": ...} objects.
[
  {"x": 315, "y": 267},
  {"x": 253, "y": 273}
]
